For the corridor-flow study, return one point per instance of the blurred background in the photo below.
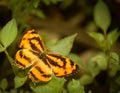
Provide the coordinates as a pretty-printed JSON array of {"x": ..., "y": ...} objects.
[{"x": 61, "y": 18}]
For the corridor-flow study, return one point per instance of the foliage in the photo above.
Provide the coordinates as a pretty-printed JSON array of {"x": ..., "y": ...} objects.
[
  {"x": 22, "y": 9},
  {"x": 75, "y": 87},
  {"x": 50, "y": 87},
  {"x": 10, "y": 34},
  {"x": 102, "y": 15},
  {"x": 107, "y": 60},
  {"x": 60, "y": 46},
  {"x": 19, "y": 80}
]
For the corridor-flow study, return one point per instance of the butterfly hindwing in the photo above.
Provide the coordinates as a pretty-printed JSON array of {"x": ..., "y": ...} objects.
[
  {"x": 40, "y": 72},
  {"x": 32, "y": 40},
  {"x": 25, "y": 58},
  {"x": 61, "y": 65},
  {"x": 40, "y": 68}
]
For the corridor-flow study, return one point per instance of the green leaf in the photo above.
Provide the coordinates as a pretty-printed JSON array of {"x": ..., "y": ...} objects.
[
  {"x": 75, "y": 87},
  {"x": 8, "y": 33},
  {"x": 92, "y": 68},
  {"x": 75, "y": 58},
  {"x": 102, "y": 16},
  {"x": 3, "y": 84},
  {"x": 114, "y": 68},
  {"x": 114, "y": 64},
  {"x": 96, "y": 64},
  {"x": 64, "y": 45},
  {"x": 54, "y": 86},
  {"x": 86, "y": 79},
  {"x": 1, "y": 48},
  {"x": 47, "y": 2},
  {"x": 36, "y": 3},
  {"x": 113, "y": 36},
  {"x": 38, "y": 13},
  {"x": 115, "y": 57},
  {"x": 19, "y": 81},
  {"x": 101, "y": 60},
  {"x": 99, "y": 38}
]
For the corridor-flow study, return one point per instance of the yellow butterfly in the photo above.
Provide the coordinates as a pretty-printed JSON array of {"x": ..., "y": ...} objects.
[{"x": 32, "y": 54}]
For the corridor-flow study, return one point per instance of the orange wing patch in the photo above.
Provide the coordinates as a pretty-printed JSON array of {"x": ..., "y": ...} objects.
[
  {"x": 40, "y": 71},
  {"x": 61, "y": 65},
  {"x": 25, "y": 58},
  {"x": 32, "y": 40},
  {"x": 42, "y": 65}
]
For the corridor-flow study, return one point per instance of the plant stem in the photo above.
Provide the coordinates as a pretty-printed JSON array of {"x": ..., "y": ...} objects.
[
  {"x": 10, "y": 60},
  {"x": 107, "y": 49}
]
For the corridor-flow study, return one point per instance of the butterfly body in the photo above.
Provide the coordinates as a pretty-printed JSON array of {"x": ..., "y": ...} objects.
[{"x": 32, "y": 54}]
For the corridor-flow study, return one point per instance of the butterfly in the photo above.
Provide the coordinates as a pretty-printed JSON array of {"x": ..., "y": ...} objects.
[{"x": 42, "y": 65}]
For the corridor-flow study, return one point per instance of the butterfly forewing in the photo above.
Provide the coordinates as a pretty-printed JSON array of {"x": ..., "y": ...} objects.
[
  {"x": 25, "y": 58},
  {"x": 61, "y": 65},
  {"x": 32, "y": 40}
]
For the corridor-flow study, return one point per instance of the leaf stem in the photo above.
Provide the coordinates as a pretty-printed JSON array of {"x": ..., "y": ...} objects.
[
  {"x": 10, "y": 60},
  {"x": 107, "y": 49}
]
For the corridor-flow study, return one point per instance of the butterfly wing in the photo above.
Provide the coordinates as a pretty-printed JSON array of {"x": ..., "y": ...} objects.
[
  {"x": 32, "y": 40},
  {"x": 42, "y": 65},
  {"x": 61, "y": 65},
  {"x": 25, "y": 58},
  {"x": 40, "y": 68},
  {"x": 41, "y": 71}
]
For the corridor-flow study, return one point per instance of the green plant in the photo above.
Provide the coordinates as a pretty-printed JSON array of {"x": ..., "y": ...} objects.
[
  {"x": 22, "y": 9},
  {"x": 7, "y": 36},
  {"x": 20, "y": 76},
  {"x": 104, "y": 39},
  {"x": 107, "y": 60}
]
